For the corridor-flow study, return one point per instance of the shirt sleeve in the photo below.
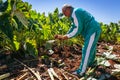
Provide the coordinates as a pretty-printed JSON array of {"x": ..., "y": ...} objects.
[{"x": 76, "y": 27}]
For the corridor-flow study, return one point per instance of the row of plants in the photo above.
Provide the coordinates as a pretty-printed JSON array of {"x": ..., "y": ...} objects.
[
  {"x": 110, "y": 32},
  {"x": 25, "y": 30}
]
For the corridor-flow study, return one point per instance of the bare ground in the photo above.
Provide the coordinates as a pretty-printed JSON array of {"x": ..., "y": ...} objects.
[{"x": 63, "y": 61}]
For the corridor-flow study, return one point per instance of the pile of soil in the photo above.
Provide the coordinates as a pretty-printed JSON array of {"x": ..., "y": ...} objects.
[{"x": 63, "y": 60}]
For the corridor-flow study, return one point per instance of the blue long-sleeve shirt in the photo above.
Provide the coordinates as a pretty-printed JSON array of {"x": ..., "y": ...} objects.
[{"x": 83, "y": 23}]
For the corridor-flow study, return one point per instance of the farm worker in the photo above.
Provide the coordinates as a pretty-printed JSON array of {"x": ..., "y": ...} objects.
[{"x": 85, "y": 24}]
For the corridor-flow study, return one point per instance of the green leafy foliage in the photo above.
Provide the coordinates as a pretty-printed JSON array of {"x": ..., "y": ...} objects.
[
  {"x": 21, "y": 18},
  {"x": 6, "y": 26},
  {"x": 110, "y": 33},
  {"x": 21, "y": 27},
  {"x": 31, "y": 49}
]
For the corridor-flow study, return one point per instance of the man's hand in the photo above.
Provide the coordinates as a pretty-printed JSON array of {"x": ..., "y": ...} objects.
[{"x": 61, "y": 37}]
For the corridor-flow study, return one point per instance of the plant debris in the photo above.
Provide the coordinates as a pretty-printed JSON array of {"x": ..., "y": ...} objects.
[{"x": 58, "y": 63}]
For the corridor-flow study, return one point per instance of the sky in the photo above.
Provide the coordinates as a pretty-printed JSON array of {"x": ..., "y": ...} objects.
[{"x": 105, "y": 11}]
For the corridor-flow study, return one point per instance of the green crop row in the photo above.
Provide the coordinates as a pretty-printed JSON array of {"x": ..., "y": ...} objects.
[{"x": 25, "y": 30}]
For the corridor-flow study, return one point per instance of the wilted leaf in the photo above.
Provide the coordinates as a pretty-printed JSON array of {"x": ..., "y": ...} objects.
[
  {"x": 113, "y": 56},
  {"x": 21, "y": 18},
  {"x": 51, "y": 52},
  {"x": 117, "y": 66},
  {"x": 105, "y": 63},
  {"x": 51, "y": 41},
  {"x": 107, "y": 53},
  {"x": 110, "y": 48},
  {"x": 91, "y": 78},
  {"x": 116, "y": 72},
  {"x": 99, "y": 60}
]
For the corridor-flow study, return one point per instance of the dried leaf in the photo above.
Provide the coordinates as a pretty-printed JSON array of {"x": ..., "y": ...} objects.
[
  {"x": 21, "y": 18},
  {"x": 51, "y": 75},
  {"x": 116, "y": 72},
  {"x": 51, "y": 52},
  {"x": 51, "y": 41},
  {"x": 105, "y": 63},
  {"x": 117, "y": 66},
  {"x": 4, "y": 76},
  {"x": 91, "y": 78}
]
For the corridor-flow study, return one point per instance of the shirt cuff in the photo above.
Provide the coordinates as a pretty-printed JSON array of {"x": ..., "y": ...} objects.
[{"x": 67, "y": 35}]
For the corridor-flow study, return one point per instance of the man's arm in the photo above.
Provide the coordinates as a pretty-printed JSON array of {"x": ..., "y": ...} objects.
[{"x": 77, "y": 23}]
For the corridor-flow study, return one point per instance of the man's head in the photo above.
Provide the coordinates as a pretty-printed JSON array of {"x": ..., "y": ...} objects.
[{"x": 66, "y": 10}]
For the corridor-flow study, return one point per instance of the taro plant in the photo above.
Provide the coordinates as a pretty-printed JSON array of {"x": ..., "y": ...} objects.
[
  {"x": 14, "y": 27},
  {"x": 110, "y": 33},
  {"x": 22, "y": 28}
]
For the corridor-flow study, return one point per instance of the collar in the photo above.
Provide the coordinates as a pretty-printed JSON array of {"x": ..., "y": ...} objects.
[{"x": 72, "y": 12}]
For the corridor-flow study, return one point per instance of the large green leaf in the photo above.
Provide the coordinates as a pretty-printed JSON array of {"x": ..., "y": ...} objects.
[
  {"x": 5, "y": 25},
  {"x": 31, "y": 49},
  {"x": 21, "y": 18}
]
